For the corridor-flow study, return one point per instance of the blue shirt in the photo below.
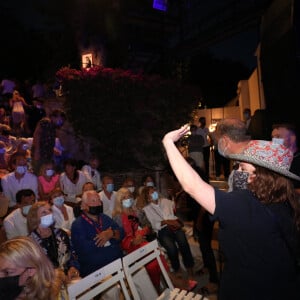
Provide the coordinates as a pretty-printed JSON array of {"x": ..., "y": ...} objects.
[{"x": 91, "y": 257}]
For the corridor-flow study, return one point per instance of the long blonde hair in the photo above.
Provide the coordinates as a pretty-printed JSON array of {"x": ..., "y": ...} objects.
[
  {"x": 24, "y": 252},
  {"x": 118, "y": 209}
]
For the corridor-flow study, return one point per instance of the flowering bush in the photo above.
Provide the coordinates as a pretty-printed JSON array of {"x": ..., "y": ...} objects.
[{"x": 127, "y": 113}]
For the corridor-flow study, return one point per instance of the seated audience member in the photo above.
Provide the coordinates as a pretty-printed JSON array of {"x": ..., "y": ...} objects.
[
  {"x": 4, "y": 118},
  {"x": 88, "y": 186},
  {"x": 9, "y": 140},
  {"x": 95, "y": 236},
  {"x": 17, "y": 180},
  {"x": 137, "y": 229},
  {"x": 71, "y": 181},
  {"x": 48, "y": 180},
  {"x": 63, "y": 214},
  {"x": 130, "y": 184},
  {"x": 15, "y": 224},
  {"x": 23, "y": 149},
  {"x": 108, "y": 195},
  {"x": 54, "y": 241},
  {"x": 3, "y": 160},
  {"x": 160, "y": 212},
  {"x": 92, "y": 173},
  {"x": 147, "y": 180},
  {"x": 27, "y": 273}
]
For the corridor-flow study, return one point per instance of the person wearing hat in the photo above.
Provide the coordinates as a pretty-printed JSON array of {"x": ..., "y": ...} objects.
[{"x": 259, "y": 222}]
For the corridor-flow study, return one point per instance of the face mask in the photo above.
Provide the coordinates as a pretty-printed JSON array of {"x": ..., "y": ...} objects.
[
  {"x": 131, "y": 189},
  {"x": 127, "y": 202},
  {"x": 222, "y": 150},
  {"x": 59, "y": 201},
  {"x": 239, "y": 180},
  {"x": 96, "y": 210},
  {"x": 25, "y": 209},
  {"x": 25, "y": 147},
  {"x": 21, "y": 169},
  {"x": 50, "y": 172},
  {"x": 277, "y": 141},
  {"x": 150, "y": 183},
  {"x": 9, "y": 287},
  {"x": 47, "y": 221},
  {"x": 2, "y": 150},
  {"x": 154, "y": 196},
  {"x": 110, "y": 187}
]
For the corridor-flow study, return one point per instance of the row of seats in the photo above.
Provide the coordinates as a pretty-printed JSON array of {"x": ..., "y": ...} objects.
[{"x": 130, "y": 275}]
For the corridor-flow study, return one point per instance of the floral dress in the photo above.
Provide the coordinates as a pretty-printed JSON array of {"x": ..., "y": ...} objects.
[{"x": 58, "y": 248}]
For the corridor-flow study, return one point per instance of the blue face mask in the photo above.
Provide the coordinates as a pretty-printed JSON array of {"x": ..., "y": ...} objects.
[
  {"x": 110, "y": 187},
  {"x": 127, "y": 203},
  {"x": 59, "y": 201},
  {"x": 154, "y": 196},
  {"x": 25, "y": 209},
  {"x": 21, "y": 169},
  {"x": 49, "y": 172}
]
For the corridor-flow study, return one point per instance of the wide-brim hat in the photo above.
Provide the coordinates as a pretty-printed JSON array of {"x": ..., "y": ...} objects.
[{"x": 273, "y": 156}]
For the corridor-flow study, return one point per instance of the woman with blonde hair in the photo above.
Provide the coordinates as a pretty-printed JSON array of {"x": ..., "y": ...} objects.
[{"x": 27, "y": 273}]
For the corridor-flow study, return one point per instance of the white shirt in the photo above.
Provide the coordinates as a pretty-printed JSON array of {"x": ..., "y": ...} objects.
[
  {"x": 71, "y": 189},
  {"x": 15, "y": 224},
  {"x": 95, "y": 179},
  {"x": 11, "y": 185},
  {"x": 108, "y": 204},
  {"x": 205, "y": 133},
  {"x": 60, "y": 221},
  {"x": 156, "y": 213}
]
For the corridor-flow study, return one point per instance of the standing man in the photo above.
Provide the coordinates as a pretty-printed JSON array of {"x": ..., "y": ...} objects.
[
  {"x": 44, "y": 138},
  {"x": 285, "y": 134},
  {"x": 204, "y": 132}
]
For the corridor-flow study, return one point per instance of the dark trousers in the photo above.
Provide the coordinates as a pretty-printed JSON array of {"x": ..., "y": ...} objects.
[
  {"x": 169, "y": 239},
  {"x": 204, "y": 236}
]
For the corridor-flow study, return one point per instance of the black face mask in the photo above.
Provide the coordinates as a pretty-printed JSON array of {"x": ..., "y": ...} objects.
[
  {"x": 96, "y": 210},
  {"x": 239, "y": 180},
  {"x": 9, "y": 287}
]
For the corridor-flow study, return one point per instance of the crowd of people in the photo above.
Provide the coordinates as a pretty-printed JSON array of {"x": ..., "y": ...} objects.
[{"x": 62, "y": 221}]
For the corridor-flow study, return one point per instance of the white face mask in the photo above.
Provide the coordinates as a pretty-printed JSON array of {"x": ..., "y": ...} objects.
[
  {"x": 278, "y": 141},
  {"x": 47, "y": 221},
  {"x": 131, "y": 189},
  {"x": 150, "y": 183},
  {"x": 25, "y": 209},
  {"x": 21, "y": 169},
  {"x": 127, "y": 203}
]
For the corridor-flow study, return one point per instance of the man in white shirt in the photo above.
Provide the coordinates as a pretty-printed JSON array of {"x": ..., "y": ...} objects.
[
  {"x": 15, "y": 224},
  {"x": 108, "y": 195},
  {"x": 18, "y": 180}
]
